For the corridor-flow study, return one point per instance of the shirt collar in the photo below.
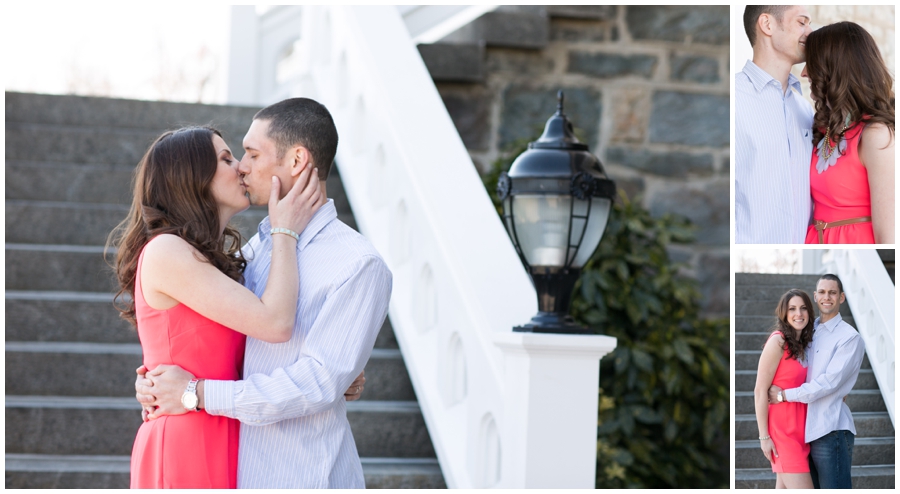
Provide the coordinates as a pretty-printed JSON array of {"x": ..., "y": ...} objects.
[
  {"x": 830, "y": 325},
  {"x": 760, "y": 78},
  {"x": 322, "y": 217}
]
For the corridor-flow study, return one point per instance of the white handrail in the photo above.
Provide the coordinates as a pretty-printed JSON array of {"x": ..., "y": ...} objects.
[{"x": 870, "y": 293}]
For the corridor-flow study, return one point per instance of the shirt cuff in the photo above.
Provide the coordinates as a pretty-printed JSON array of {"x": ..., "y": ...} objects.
[
  {"x": 792, "y": 394},
  {"x": 218, "y": 397}
]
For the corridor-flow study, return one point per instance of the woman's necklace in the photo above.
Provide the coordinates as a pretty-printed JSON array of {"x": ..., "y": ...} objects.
[{"x": 829, "y": 149}]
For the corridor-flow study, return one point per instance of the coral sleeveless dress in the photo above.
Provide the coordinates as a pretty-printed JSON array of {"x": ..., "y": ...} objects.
[
  {"x": 194, "y": 450},
  {"x": 841, "y": 192},
  {"x": 787, "y": 421}
]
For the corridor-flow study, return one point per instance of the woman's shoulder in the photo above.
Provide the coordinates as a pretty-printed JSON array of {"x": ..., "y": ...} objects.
[
  {"x": 877, "y": 135},
  {"x": 776, "y": 338},
  {"x": 166, "y": 247}
]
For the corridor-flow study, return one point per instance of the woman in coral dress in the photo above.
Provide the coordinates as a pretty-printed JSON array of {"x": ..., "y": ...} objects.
[
  {"x": 782, "y": 426},
  {"x": 852, "y": 168},
  {"x": 181, "y": 267}
]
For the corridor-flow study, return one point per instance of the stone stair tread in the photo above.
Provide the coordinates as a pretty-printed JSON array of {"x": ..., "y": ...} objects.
[
  {"x": 863, "y": 477},
  {"x": 379, "y": 472},
  {"x": 859, "y": 441}
]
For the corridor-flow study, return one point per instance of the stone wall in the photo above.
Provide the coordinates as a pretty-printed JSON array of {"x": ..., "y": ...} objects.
[{"x": 647, "y": 87}]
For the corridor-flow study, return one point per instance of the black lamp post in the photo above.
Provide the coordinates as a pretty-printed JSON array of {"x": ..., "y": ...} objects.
[{"x": 556, "y": 202}]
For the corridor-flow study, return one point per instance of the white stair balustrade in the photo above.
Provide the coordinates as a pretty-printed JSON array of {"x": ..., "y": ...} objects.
[
  {"x": 870, "y": 293},
  {"x": 503, "y": 409}
]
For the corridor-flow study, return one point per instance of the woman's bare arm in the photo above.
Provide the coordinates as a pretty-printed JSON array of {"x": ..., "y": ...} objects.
[
  {"x": 876, "y": 151},
  {"x": 768, "y": 364}
]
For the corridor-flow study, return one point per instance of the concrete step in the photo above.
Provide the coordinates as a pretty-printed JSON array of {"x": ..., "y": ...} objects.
[
  {"x": 863, "y": 477},
  {"x": 749, "y": 360},
  {"x": 868, "y": 424},
  {"x": 77, "y": 223},
  {"x": 767, "y": 307},
  {"x": 86, "y": 111},
  {"x": 859, "y": 400},
  {"x": 107, "y": 369},
  {"x": 745, "y": 380},
  {"x": 78, "y": 144},
  {"x": 70, "y": 182},
  {"x": 107, "y": 426},
  {"x": 58, "y": 268},
  {"x": 65, "y": 316},
  {"x": 866, "y": 451},
  {"x": 805, "y": 282},
  {"x": 771, "y": 293},
  {"x": 30, "y": 471},
  {"x": 764, "y": 324},
  {"x": 88, "y": 317}
]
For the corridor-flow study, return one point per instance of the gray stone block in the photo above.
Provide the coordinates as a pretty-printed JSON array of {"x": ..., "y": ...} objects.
[
  {"x": 70, "y": 182},
  {"x": 767, "y": 307},
  {"x": 866, "y": 451},
  {"x": 69, "y": 270},
  {"x": 705, "y": 204},
  {"x": 518, "y": 63},
  {"x": 65, "y": 223},
  {"x": 66, "y": 480},
  {"x": 610, "y": 65},
  {"x": 77, "y": 144},
  {"x": 694, "y": 68},
  {"x": 390, "y": 434},
  {"x": 713, "y": 274},
  {"x": 668, "y": 164},
  {"x": 681, "y": 23},
  {"x": 386, "y": 338},
  {"x": 66, "y": 320},
  {"x": 514, "y": 30},
  {"x": 570, "y": 30},
  {"x": 383, "y": 473},
  {"x": 750, "y": 341},
  {"x": 770, "y": 293},
  {"x": 526, "y": 111},
  {"x": 471, "y": 114},
  {"x": 754, "y": 324},
  {"x": 690, "y": 119},
  {"x": 633, "y": 187},
  {"x": 745, "y": 380},
  {"x": 452, "y": 62},
  {"x": 594, "y": 12}
]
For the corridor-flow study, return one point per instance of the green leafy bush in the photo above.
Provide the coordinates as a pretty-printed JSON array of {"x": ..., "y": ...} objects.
[{"x": 664, "y": 391}]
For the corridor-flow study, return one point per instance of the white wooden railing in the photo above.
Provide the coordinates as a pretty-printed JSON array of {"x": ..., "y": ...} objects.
[
  {"x": 870, "y": 293},
  {"x": 503, "y": 409}
]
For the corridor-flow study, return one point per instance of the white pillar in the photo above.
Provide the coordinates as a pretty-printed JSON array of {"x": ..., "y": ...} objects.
[
  {"x": 243, "y": 56},
  {"x": 548, "y": 432}
]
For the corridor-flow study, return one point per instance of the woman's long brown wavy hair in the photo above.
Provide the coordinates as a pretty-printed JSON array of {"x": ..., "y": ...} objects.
[
  {"x": 795, "y": 345},
  {"x": 173, "y": 194},
  {"x": 847, "y": 76}
]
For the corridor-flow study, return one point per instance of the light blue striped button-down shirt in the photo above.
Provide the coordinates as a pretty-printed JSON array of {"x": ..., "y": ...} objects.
[
  {"x": 294, "y": 429},
  {"x": 772, "y": 153},
  {"x": 835, "y": 357}
]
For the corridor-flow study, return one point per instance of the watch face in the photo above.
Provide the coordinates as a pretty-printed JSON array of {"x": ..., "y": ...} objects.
[{"x": 189, "y": 401}]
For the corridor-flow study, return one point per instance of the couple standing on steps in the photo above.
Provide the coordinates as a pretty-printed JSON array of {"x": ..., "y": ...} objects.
[
  {"x": 249, "y": 352},
  {"x": 806, "y": 370}
]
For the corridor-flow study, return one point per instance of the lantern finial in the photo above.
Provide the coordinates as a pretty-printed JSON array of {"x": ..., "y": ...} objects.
[{"x": 559, "y": 104}]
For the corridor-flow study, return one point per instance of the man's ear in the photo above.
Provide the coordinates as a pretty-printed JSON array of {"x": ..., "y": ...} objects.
[
  {"x": 300, "y": 158},
  {"x": 842, "y": 298},
  {"x": 766, "y": 24}
]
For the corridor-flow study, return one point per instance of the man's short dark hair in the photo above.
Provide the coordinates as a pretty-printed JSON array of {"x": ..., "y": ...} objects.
[
  {"x": 831, "y": 277},
  {"x": 304, "y": 122},
  {"x": 752, "y": 13}
]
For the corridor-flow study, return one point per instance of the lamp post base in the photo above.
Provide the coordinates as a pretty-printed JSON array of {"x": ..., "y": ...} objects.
[{"x": 549, "y": 322}]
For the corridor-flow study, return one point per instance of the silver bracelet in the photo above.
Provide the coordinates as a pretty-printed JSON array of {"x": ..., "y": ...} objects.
[
  {"x": 286, "y": 232},
  {"x": 764, "y": 438}
]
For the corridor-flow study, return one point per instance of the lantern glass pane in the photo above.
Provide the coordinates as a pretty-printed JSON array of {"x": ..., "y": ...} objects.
[
  {"x": 542, "y": 226},
  {"x": 596, "y": 225}
]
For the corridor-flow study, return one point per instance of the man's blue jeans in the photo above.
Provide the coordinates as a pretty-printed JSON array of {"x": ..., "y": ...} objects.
[{"x": 830, "y": 457}]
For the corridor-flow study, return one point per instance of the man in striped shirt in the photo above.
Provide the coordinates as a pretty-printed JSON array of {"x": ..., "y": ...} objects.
[
  {"x": 294, "y": 429},
  {"x": 773, "y": 130},
  {"x": 834, "y": 359}
]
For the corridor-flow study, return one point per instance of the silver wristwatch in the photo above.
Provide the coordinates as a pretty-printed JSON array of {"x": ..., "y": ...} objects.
[
  {"x": 189, "y": 399},
  {"x": 781, "y": 397}
]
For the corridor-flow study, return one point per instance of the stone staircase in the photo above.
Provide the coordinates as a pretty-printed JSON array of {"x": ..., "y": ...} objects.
[
  {"x": 71, "y": 416},
  {"x": 873, "y": 453}
]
